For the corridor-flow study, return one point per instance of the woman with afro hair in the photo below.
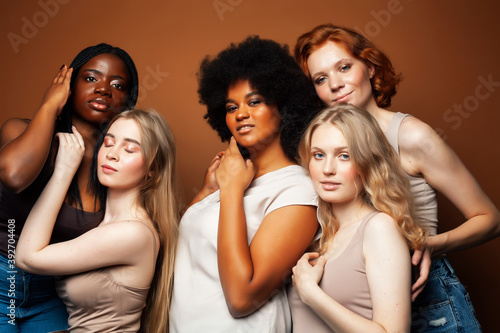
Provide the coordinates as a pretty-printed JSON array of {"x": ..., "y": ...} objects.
[{"x": 256, "y": 213}]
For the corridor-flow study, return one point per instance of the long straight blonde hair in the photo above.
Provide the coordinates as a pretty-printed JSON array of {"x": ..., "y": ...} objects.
[
  {"x": 159, "y": 197},
  {"x": 385, "y": 185}
]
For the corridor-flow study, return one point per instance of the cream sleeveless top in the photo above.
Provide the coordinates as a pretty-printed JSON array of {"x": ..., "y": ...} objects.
[
  {"x": 425, "y": 196},
  {"x": 96, "y": 302},
  {"x": 344, "y": 280}
]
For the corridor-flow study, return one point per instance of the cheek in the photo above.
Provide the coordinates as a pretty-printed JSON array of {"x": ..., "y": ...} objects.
[
  {"x": 101, "y": 156},
  {"x": 134, "y": 165},
  {"x": 323, "y": 93},
  {"x": 355, "y": 179},
  {"x": 229, "y": 122},
  {"x": 119, "y": 98},
  {"x": 315, "y": 170}
]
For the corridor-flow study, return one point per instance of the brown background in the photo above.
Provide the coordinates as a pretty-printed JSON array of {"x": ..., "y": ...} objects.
[{"x": 446, "y": 50}]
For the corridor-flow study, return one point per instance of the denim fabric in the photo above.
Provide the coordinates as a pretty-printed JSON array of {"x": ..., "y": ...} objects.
[
  {"x": 28, "y": 302},
  {"x": 444, "y": 304}
]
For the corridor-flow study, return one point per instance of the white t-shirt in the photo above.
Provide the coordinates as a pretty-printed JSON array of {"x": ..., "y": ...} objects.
[{"x": 198, "y": 303}]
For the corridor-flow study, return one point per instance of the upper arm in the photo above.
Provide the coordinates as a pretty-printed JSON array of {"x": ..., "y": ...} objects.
[
  {"x": 11, "y": 129},
  {"x": 117, "y": 243},
  {"x": 388, "y": 270},
  {"x": 280, "y": 241},
  {"x": 424, "y": 152},
  {"x": 19, "y": 166}
]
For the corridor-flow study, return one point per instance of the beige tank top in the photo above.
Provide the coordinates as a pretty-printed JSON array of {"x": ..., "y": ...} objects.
[
  {"x": 344, "y": 280},
  {"x": 425, "y": 196},
  {"x": 96, "y": 302}
]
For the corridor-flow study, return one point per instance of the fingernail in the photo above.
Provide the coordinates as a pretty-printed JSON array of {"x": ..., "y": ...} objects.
[{"x": 62, "y": 67}]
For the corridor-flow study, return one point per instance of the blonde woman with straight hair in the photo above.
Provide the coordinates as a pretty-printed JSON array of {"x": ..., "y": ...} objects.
[
  {"x": 123, "y": 269},
  {"x": 359, "y": 278}
]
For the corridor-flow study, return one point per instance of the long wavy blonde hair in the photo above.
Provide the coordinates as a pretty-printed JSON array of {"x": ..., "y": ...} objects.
[
  {"x": 385, "y": 185},
  {"x": 159, "y": 197}
]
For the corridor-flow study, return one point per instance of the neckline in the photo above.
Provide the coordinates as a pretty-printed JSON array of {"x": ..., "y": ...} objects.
[
  {"x": 363, "y": 221},
  {"x": 66, "y": 205},
  {"x": 265, "y": 176}
]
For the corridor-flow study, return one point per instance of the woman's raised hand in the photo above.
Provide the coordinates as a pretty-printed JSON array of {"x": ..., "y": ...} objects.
[
  {"x": 234, "y": 170},
  {"x": 70, "y": 153},
  {"x": 58, "y": 92}
]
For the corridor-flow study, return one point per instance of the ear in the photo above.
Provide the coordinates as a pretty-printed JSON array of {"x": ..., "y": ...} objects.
[{"x": 371, "y": 71}]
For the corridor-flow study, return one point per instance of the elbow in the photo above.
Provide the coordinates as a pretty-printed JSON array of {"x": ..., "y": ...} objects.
[
  {"x": 21, "y": 263},
  {"x": 244, "y": 304},
  {"x": 14, "y": 179},
  {"x": 240, "y": 306},
  {"x": 240, "y": 309}
]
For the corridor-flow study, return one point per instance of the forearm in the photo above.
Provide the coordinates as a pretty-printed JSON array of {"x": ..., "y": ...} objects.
[
  {"x": 335, "y": 315},
  {"x": 37, "y": 230},
  {"x": 473, "y": 232},
  {"x": 22, "y": 159},
  {"x": 233, "y": 253}
]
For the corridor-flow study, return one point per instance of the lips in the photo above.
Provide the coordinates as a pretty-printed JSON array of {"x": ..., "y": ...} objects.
[
  {"x": 108, "y": 169},
  {"x": 99, "y": 104},
  {"x": 342, "y": 98},
  {"x": 244, "y": 128},
  {"x": 329, "y": 185}
]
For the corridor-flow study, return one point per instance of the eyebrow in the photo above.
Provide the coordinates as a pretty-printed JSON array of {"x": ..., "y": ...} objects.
[
  {"x": 337, "y": 149},
  {"x": 124, "y": 139},
  {"x": 100, "y": 73},
  {"x": 250, "y": 94},
  {"x": 334, "y": 65}
]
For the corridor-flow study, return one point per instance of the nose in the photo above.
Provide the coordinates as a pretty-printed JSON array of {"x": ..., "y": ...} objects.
[
  {"x": 336, "y": 83},
  {"x": 329, "y": 166},
  {"x": 112, "y": 154},
  {"x": 242, "y": 113},
  {"x": 102, "y": 88}
]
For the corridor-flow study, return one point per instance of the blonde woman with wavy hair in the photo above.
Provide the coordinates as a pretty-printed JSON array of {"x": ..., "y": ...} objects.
[
  {"x": 122, "y": 270},
  {"x": 359, "y": 278}
]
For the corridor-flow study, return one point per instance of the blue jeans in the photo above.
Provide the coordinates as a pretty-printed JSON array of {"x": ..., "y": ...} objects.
[
  {"x": 29, "y": 302},
  {"x": 444, "y": 304}
]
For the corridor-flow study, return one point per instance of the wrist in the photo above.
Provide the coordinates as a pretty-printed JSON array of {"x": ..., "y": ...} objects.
[
  {"x": 49, "y": 110},
  {"x": 231, "y": 192},
  {"x": 308, "y": 291}
]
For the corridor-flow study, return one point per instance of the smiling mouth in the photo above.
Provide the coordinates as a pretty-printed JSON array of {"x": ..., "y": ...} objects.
[
  {"x": 342, "y": 98},
  {"x": 244, "y": 128}
]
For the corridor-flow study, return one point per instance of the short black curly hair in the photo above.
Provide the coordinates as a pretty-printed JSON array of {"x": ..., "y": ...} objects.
[{"x": 273, "y": 73}]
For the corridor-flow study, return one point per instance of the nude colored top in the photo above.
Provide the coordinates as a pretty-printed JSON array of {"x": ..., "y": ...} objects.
[
  {"x": 344, "y": 280},
  {"x": 96, "y": 302},
  {"x": 425, "y": 196}
]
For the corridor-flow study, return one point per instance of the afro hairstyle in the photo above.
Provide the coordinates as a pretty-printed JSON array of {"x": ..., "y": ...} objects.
[{"x": 273, "y": 73}]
